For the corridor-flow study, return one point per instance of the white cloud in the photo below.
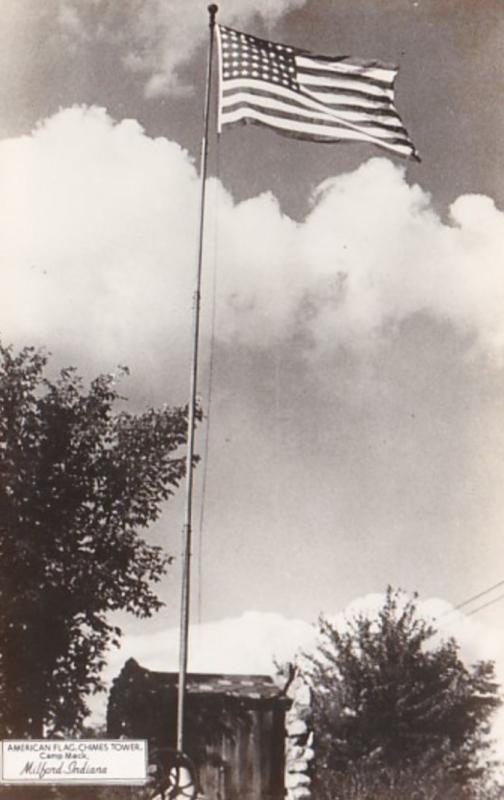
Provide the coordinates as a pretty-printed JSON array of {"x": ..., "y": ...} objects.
[
  {"x": 97, "y": 238},
  {"x": 69, "y": 20},
  {"x": 97, "y": 254},
  {"x": 250, "y": 643},
  {"x": 372, "y": 252},
  {"x": 162, "y": 35},
  {"x": 254, "y": 642},
  {"x": 476, "y": 641},
  {"x": 98, "y": 247}
]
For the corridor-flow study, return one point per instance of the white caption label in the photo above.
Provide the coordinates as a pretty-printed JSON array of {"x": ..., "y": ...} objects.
[{"x": 98, "y": 761}]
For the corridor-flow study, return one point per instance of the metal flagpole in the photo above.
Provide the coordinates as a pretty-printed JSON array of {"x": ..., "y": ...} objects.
[{"x": 186, "y": 554}]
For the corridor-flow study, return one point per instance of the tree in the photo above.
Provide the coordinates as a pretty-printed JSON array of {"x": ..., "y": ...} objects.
[
  {"x": 387, "y": 704},
  {"x": 79, "y": 481}
]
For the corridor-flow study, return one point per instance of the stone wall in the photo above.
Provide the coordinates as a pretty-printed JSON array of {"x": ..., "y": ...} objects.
[{"x": 299, "y": 752}]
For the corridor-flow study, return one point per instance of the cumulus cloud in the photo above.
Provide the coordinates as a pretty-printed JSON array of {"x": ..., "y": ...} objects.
[
  {"x": 256, "y": 642},
  {"x": 162, "y": 34},
  {"x": 98, "y": 241},
  {"x": 98, "y": 247},
  {"x": 476, "y": 640},
  {"x": 97, "y": 257},
  {"x": 371, "y": 253},
  {"x": 250, "y": 643}
]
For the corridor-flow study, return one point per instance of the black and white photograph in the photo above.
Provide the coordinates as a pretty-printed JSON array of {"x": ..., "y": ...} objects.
[{"x": 251, "y": 400}]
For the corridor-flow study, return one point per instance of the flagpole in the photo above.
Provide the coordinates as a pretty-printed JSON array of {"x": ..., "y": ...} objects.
[{"x": 186, "y": 550}]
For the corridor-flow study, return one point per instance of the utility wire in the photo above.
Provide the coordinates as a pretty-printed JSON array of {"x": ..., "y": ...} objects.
[
  {"x": 471, "y": 600},
  {"x": 474, "y": 597},
  {"x": 485, "y": 605}
]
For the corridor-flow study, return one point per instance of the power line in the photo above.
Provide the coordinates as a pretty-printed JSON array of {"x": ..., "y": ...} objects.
[
  {"x": 485, "y": 605},
  {"x": 472, "y": 599}
]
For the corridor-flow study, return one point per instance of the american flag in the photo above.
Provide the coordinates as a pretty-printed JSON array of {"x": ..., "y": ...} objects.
[{"x": 319, "y": 98}]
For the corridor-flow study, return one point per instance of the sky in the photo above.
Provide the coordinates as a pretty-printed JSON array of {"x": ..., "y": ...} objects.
[{"x": 352, "y": 341}]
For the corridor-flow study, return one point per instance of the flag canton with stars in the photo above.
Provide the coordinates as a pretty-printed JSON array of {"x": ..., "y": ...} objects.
[{"x": 245, "y": 56}]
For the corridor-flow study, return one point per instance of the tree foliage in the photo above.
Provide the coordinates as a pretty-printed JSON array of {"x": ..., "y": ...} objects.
[
  {"x": 78, "y": 483},
  {"x": 387, "y": 703}
]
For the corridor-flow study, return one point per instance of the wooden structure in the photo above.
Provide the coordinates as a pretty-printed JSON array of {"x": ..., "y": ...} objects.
[{"x": 234, "y": 728}]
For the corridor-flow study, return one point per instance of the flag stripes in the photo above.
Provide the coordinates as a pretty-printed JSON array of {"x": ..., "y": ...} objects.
[
  {"x": 350, "y": 84},
  {"x": 256, "y": 96},
  {"x": 367, "y": 70},
  {"x": 373, "y": 116},
  {"x": 382, "y": 78},
  {"x": 311, "y": 97},
  {"x": 241, "y": 100},
  {"x": 317, "y": 133}
]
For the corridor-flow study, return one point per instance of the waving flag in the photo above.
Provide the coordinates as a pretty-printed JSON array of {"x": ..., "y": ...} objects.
[{"x": 318, "y": 98}]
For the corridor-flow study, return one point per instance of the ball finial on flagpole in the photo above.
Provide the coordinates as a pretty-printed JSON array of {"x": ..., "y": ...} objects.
[{"x": 212, "y": 10}]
